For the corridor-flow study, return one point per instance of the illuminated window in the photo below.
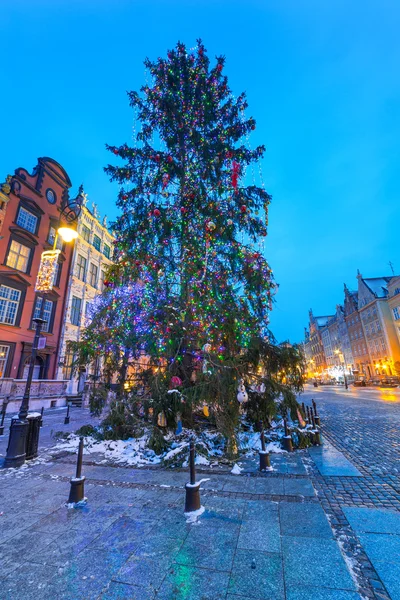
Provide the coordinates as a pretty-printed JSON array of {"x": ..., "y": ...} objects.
[
  {"x": 9, "y": 302},
  {"x": 18, "y": 256},
  {"x": 4, "y": 352}
]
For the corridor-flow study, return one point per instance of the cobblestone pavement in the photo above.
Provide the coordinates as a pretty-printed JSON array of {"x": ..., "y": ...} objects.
[{"x": 324, "y": 525}]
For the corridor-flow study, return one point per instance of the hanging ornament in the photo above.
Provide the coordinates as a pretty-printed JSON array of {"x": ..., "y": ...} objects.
[
  {"x": 206, "y": 412},
  {"x": 175, "y": 382},
  {"x": 210, "y": 226},
  {"x": 206, "y": 348},
  {"x": 235, "y": 174},
  {"x": 156, "y": 212},
  {"x": 243, "y": 208},
  {"x": 165, "y": 180},
  {"x": 151, "y": 411},
  {"x": 178, "y": 429},
  {"x": 229, "y": 222},
  {"x": 302, "y": 422},
  {"x": 242, "y": 394},
  {"x": 161, "y": 419}
]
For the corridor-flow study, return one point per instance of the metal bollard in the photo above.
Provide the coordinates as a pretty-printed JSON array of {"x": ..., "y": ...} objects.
[
  {"x": 192, "y": 500},
  {"x": 287, "y": 440},
  {"x": 316, "y": 415},
  {"x": 66, "y": 420},
  {"x": 41, "y": 416},
  {"x": 265, "y": 462},
  {"x": 3, "y": 414},
  {"x": 77, "y": 493}
]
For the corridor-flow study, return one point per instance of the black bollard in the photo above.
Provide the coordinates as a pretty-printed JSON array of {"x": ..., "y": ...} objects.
[
  {"x": 304, "y": 410},
  {"x": 77, "y": 493},
  {"x": 316, "y": 415},
  {"x": 192, "y": 501},
  {"x": 287, "y": 440},
  {"x": 41, "y": 416},
  {"x": 66, "y": 420},
  {"x": 3, "y": 414},
  {"x": 265, "y": 462}
]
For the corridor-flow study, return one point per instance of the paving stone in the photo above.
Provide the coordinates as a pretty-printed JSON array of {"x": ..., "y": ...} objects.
[
  {"x": 318, "y": 564},
  {"x": 313, "y": 593},
  {"x": 184, "y": 583},
  {"x": 298, "y": 487},
  {"x": 304, "y": 520},
  {"x": 381, "y": 547},
  {"x": 258, "y": 535},
  {"x": 264, "y": 582},
  {"x": 144, "y": 572},
  {"x": 123, "y": 591},
  {"x": 124, "y": 534},
  {"x": 373, "y": 520}
]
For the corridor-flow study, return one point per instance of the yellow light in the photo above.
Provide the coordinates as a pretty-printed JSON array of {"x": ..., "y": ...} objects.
[{"x": 67, "y": 234}]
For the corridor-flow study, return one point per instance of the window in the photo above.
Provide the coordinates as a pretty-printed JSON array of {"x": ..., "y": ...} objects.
[
  {"x": 96, "y": 242},
  {"x": 51, "y": 196},
  {"x": 9, "y": 302},
  {"x": 378, "y": 326},
  {"x": 93, "y": 270},
  {"x": 4, "y": 352},
  {"x": 76, "y": 310},
  {"x": 85, "y": 233},
  {"x": 57, "y": 275},
  {"x": 68, "y": 365},
  {"x": 107, "y": 251},
  {"x": 396, "y": 291},
  {"x": 396, "y": 313},
  {"x": 87, "y": 308},
  {"x": 102, "y": 277},
  {"x": 52, "y": 235},
  {"x": 18, "y": 256},
  {"x": 27, "y": 220},
  {"x": 383, "y": 345},
  {"x": 47, "y": 313},
  {"x": 81, "y": 267}
]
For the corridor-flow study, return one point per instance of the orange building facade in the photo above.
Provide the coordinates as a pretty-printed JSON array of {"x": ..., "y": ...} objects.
[{"x": 28, "y": 227}]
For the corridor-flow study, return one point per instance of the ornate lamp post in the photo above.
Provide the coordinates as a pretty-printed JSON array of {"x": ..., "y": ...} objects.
[{"x": 17, "y": 443}]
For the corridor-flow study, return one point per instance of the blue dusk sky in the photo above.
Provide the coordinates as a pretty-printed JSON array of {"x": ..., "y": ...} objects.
[{"x": 322, "y": 79}]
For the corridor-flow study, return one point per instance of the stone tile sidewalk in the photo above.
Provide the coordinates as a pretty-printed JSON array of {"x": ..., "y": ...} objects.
[{"x": 260, "y": 537}]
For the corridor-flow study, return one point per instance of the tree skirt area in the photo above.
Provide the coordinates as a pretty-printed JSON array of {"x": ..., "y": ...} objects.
[{"x": 210, "y": 447}]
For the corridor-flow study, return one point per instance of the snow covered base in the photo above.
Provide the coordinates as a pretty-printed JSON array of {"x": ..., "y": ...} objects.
[
  {"x": 77, "y": 504},
  {"x": 192, "y": 517}
]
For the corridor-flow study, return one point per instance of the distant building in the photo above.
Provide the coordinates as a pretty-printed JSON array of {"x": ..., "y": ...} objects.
[
  {"x": 316, "y": 326},
  {"x": 378, "y": 325},
  {"x": 92, "y": 255},
  {"x": 359, "y": 349},
  {"x": 30, "y": 205},
  {"x": 394, "y": 306}
]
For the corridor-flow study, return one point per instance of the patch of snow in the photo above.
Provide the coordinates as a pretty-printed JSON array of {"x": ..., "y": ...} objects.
[
  {"x": 191, "y": 517},
  {"x": 236, "y": 469}
]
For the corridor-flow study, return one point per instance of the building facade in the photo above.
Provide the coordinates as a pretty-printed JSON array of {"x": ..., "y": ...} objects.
[
  {"x": 30, "y": 218},
  {"x": 91, "y": 257},
  {"x": 378, "y": 325},
  {"x": 316, "y": 326},
  {"x": 394, "y": 306},
  {"x": 359, "y": 349}
]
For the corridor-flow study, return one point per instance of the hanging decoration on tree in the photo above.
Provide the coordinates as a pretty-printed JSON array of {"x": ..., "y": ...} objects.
[{"x": 242, "y": 394}]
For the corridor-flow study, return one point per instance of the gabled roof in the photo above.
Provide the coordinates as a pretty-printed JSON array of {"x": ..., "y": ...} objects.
[
  {"x": 322, "y": 321},
  {"x": 378, "y": 286}
]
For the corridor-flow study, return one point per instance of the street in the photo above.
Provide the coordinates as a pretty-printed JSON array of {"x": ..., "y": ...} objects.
[{"x": 324, "y": 525}]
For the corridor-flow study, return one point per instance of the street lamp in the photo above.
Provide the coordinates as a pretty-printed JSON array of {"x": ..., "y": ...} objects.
[
  {"x": 17, "y": 442},
  {"x": 337, "y": 352}
]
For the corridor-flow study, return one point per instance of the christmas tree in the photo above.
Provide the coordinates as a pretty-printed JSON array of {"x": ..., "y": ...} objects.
[{"x": 191, "y": 289}]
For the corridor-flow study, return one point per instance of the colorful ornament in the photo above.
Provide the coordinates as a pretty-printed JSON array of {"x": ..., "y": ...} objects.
[
  {"x": 175, "y": 382},
  {"x": 242, "y": 394},
  {"x": 243, "y": 208},
  {"x": 165, "y": 180},
  {"x": 210, "y": 226},
  {"x": 161, "y": 419},
  {"x": 206, "y": 412},
  {"x": 206, "y": 348},
  {"x": 156, "y": 212}
]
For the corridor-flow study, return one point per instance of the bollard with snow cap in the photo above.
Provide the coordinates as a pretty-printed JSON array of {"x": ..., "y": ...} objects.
[
  {"x": 192, "y": 501},
  {"x": 77, "y": 493},
  {"x": 287, "y": 440},
  {"x": 265, "y": 462}
]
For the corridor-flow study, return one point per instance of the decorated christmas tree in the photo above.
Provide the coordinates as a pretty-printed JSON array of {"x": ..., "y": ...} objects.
[{"x": 191, "y": 290}]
